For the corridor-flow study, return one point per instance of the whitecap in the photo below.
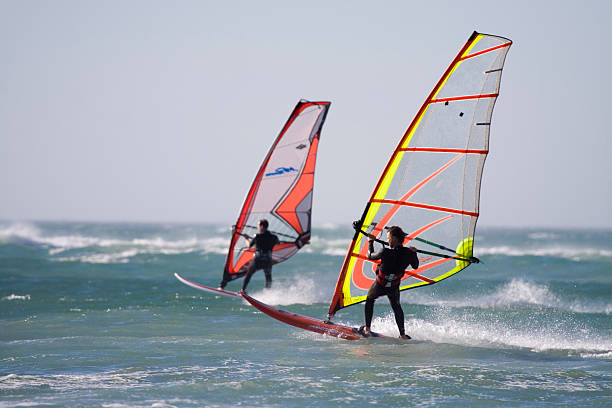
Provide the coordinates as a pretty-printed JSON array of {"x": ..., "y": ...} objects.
[
  {"x": 16, "y": 297},
  {"x": 572, "y": 253},
  {"x": 542, "y": 235},
  {"x": 300, "y": 291},
  {"x": 516, "y": 292},
  {"x": 466, "y": 331}
]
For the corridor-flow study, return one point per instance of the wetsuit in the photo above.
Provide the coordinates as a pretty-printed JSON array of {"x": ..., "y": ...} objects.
[
  {"x": 389, "y": 273},
  {"x": 264, "y": 243}
]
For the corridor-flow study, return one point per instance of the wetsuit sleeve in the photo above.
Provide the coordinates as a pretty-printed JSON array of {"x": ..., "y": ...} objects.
[
  {"x": 414, "y": 259},
  {"x": 252, "y": 241},
  {"x": 373, "y": 256},
  {"x": 276, "y": 241}
]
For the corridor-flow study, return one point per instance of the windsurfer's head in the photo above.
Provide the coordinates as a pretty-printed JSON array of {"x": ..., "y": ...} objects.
[
  {"x": 395, "y": 236},
  {"x": 262, "y": 225}
]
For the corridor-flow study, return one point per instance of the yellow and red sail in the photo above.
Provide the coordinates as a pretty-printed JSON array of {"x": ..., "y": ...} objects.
[
  {"x": 282, "y": 190},
  {"x": 431, "y": 184}
]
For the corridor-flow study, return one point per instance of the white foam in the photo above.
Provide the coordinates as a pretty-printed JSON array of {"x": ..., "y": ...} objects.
[
  {"x": 216, "y": 245},
  {"x": 135, "y": 247},
  {"x": 516, "y": 292},
  {"x": 604, "y": 355},
  {"x": 519, "y": 291},
  {"x": 301, "y": 291},
  {"x": 16, "y": 297},
  {"x": 542, "y": 235},
  {"x": 333, "y": 247},
  {"x": 124, "y": 248},
  {"x": 572, "y": 253},
  {"x": 465, "y": 331},
  {"x": 19, "y": 230},
  {"x": 120, "y": 257}
]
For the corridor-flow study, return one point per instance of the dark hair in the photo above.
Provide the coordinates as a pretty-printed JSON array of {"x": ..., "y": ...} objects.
[
  {"x": 396, "y": 232},
  {"x": 263, "y": 222}
]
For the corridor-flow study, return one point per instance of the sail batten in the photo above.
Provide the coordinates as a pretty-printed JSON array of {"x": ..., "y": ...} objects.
[{"x": 431, "y": 183}]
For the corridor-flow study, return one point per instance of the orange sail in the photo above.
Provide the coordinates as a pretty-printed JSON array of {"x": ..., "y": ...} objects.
[{"x": 282, "y": 190}]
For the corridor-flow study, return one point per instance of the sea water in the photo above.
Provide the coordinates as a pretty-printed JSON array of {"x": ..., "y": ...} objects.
[{"x": 91, "y": 315}]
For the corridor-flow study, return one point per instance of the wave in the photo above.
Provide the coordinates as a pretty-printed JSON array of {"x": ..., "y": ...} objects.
[
  {"x": 326, "y": 246},
  {"x": 108, "y": 249},
  {"x": 339, "y": 247},
  {"x": 16, "y": 297},
  {"x": 572, "y": 253},
  {"x": 467, "y": 331},
  {"x": 118, "y": 249},
  {"x": 302, "y": 291},
  {"x": 542, "y": 235},
  {"x": 516, "y": 292}
]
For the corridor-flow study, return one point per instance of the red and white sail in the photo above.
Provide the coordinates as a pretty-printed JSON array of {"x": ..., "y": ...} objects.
[{"x": 282, "y": 190}]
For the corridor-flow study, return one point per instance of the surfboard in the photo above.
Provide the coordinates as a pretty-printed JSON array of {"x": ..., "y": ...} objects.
[
  {"x": 205, "y": 288},
  {"x": 309, "y": 323}
]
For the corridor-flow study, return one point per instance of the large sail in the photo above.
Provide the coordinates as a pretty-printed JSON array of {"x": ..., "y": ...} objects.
[
  {"x": 431, "y": 184},
  {"x": 282, "y": 190}
]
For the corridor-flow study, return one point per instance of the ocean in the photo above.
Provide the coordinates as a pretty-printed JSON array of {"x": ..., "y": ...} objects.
[{"x": 91, "y": 315}]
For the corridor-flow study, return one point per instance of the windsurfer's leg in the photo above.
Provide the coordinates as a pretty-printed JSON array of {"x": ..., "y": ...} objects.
[
  {"x": 394, "y": 299},
  {"x": 268, "y": 272},
  {"x": 373, "y": 294},
  {"x": 247, "y": 278},
  {"x": 369, "y": 312}
]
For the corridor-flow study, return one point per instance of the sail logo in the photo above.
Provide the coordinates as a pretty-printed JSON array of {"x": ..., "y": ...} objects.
[{"x": 282, "y": 170}]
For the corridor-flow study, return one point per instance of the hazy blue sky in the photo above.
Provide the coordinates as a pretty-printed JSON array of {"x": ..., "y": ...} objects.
[{"x": 163, "y": 111}]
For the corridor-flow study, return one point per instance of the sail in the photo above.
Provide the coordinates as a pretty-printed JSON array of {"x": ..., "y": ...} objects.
[
  {"x": 282, "y": 190},
  {"x": 431, "y": 185}
]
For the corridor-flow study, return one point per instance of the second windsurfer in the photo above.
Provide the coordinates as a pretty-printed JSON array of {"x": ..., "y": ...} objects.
[{"x": 264, "y": 242}]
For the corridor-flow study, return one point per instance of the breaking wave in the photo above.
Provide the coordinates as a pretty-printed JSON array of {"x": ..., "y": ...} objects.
[
  {"x": 515, "y": 292},
  {"x": 572, "y": 253},
  {"x": 108, "y": 249}
]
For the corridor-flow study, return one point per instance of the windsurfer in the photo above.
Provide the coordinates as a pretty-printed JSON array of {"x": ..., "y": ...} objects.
[
  {"x": 264, "y": 242},
  {"x": 393, "y": 263}
]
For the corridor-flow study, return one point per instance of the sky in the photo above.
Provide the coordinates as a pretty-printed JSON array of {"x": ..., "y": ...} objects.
[{"x": 160, "y": 111}]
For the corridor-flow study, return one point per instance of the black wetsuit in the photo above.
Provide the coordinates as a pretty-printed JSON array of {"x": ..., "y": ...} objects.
[
  {"x": 393, "y": 264},
  {"x": 264, "y": 243}
]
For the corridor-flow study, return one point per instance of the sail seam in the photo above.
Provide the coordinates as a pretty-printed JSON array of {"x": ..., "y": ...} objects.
[
  {"x": 486, "y": 51},
  {"x": 426, "y": 206},
  {"x": 442, "y": 150},
  {"x": 460, "y": 98}
]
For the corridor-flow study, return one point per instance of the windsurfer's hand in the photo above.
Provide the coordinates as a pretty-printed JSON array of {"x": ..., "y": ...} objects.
[{"x": 413, "y": 249}]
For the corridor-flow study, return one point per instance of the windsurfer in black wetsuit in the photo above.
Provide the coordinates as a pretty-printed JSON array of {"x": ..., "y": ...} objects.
[
  {"x": 393, "y": 264},
  {"x": 264, "y": 242}
]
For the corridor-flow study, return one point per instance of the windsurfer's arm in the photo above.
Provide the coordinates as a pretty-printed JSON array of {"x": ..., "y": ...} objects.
[
  {"x": 414, "y": 259},
  {"x": 245, "y": 236},
  {"x": 371, "y": 254}
]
